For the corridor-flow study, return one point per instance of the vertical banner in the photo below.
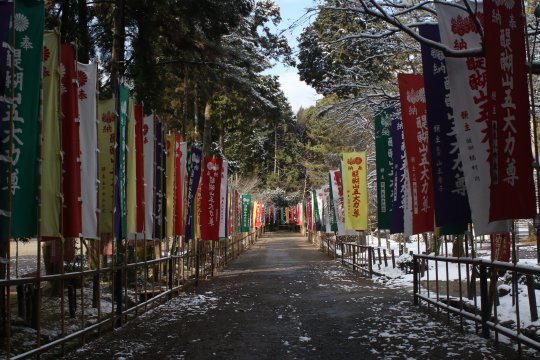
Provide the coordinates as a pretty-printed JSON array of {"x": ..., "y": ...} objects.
[
  {"x": 512, "y": 189},
  {"x": 120, "y": 168},
  {"x": 149, "y": 144},
  {"x": 210, "y": 198},
  {"x": 468, "y": 92},
  {"x": 259, "y": 216},
  {"x": 355, "y": 190},
  {"x": 106, "y": 135},
  {"x": 179, "y": 179},
  {"x": 500, "y": 247},
  {"x": 326, "y": 202},
  {"x": 321, "y": 224},
  {"x": 333, "y": 191},
  {"x": 87, "y": 78},
  {"x": 131, "y": 172},
  {"x": 316, "y": 214},
  {"x": 398, "y": 171},
  {"x": 193, "y": 184},
  {"x": 223, "y": 200},
  {"x": 139, "y": 167},
  {"x": 6, "y": 9},
  {"x": 383, "y": 162},
  {"x": 449, "y": 192},
  {"x": 71, "y": 182},
  {"x": 246, "y": 212},
  {"x": 170, "y": 155},
  {"x": 158, "y": 179},
  {"x": 23, "y": 114},
  {"x": 51, "y": 165},
  {"x": 415, "y": 135}
]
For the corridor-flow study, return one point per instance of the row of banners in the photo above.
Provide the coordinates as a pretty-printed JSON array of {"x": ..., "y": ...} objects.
[
  {"x": 457, "y": 148},
  {"x": 74, "y": 166}
]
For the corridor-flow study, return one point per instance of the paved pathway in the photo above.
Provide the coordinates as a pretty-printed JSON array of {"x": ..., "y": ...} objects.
[{"x": 283, "y": 299}]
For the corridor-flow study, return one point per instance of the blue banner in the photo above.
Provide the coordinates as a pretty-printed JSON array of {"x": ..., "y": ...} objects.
[
  {"x": 450, "y": 196},
  {"x": 195, "y": 164},
  {"x": 398, "y": 158}
]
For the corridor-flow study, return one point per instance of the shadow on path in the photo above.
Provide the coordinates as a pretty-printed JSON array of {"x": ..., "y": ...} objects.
[{"x": 284, "y": 299}]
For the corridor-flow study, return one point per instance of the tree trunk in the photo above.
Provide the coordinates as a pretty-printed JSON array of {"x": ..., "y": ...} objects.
[
  {"x": 119, "y": 35},
  {"x": 83, "y": 52}
]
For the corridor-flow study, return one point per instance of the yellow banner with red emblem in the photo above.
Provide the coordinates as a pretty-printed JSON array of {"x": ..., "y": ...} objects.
[{"x": 355, "y": 190}]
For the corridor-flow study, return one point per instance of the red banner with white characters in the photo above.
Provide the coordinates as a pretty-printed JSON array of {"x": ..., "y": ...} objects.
[
  {"x": 71, "y": 174},
  {"x": 210, "y": 186},
  {"x": 415, "y": 133},
  {"x": 139, "y": 166},
  {"x": 258, "y": 218},
  {"x": 512, "y": 187}
]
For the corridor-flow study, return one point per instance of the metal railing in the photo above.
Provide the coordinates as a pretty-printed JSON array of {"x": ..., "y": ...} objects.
[
  {"x": 474, "y": 295},
  {"x": 57, "y": 313}
]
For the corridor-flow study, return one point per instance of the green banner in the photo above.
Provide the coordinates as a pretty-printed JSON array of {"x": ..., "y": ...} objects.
[
  {"x": 122, "y": 143},
  {"x": 51, "y": 166},
  {"x": 333, "y": 218},
  {"x": 383, "y": 148},
  {"x": 106, "y": 144},
  {"x": 246, "y": 212},
  {"x": 316, "y": 215},
  {"x": 25, "y": 70}
]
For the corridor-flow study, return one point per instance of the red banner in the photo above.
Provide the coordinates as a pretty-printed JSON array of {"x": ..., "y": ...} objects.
[
  {"x": 210, "y": 185},
  {"x": 415, "y": 133},
  {"x": 71, "y": 167},
  {"x": 512, "y": 187},
  {"x": 259, "y": 215},
  {"x": 179, "y": 188},
  {"x": 139, "y": 170},
  {"x": 500, "y": 247}
]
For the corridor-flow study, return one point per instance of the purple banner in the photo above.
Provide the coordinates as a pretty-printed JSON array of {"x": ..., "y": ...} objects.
[
  {"x": 398, "y": 157},
  {"x": 195, "y": 163},
  {"x": 450, "y": 195}
]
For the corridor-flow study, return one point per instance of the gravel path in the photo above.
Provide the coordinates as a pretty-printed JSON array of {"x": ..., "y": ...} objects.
[{"x": 283, "y": 299}]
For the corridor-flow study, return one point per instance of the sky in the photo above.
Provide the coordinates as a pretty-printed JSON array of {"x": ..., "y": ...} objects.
[{"x": 298, "y": 92}]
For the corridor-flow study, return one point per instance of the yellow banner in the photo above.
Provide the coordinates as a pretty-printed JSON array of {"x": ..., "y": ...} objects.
[
  {"x": 131, "y": 191},
  {"x": 287, "y": 214},
  {"x": 106, "y": 145},
  {"x": 51, "y": 166},
  {"x": 169, "y": 147},
  {"x": 355, "y": 190}
]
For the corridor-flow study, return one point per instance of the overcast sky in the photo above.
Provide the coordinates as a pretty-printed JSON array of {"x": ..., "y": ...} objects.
[{"x": 298, "y": 92}]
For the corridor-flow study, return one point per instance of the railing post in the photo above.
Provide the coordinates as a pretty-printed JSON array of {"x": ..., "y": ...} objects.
[
  {"x": 197, "y": 262},
  {"x": 170, "y": 282},
  {"x": 532, "y": 297},
  {"x": 379, "y": 254},
  {"x": 415, "y": 280},
  {"x": 342, "y": 253},
  {"x": 370, "y": 262},
  {"x": 212, "y": 258},
  {"x": 353, "y": 257},
  {"x": 393, "y": 259},
  {"x": 484, "y": 300}
]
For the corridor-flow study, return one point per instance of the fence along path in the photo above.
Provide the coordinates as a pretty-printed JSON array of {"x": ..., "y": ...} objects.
[{"x": 285, "y": 299}]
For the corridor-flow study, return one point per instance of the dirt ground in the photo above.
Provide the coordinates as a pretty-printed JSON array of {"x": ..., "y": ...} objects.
[{"x": 283, "y": 299}]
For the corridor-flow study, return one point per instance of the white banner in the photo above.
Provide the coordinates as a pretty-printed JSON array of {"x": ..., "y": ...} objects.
[
  {"x": 87, "y": 77},
  {"x": 223, "y": 201},
  {"x": 326, "y": 202},
  {"x": 468, "y": 93},
  {"x": 148, "y": 150}
]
